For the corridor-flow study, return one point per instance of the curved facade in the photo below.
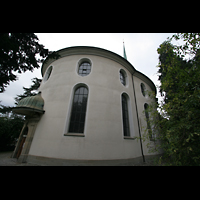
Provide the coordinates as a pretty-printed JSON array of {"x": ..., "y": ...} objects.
[{"x": 94, "y": 103}]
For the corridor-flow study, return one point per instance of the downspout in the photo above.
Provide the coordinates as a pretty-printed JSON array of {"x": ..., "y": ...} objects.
[{"x": 138, "y": 121}]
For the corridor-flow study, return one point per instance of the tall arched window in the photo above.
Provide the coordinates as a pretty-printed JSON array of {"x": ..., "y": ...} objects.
[
  {"x": 78, "y": 113},
  {"x": 125, "y": 116},
  {"x": 146, "y": 106}
]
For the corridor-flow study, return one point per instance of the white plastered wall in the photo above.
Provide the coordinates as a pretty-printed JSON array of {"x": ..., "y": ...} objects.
[{"x": 103, "y": 126}]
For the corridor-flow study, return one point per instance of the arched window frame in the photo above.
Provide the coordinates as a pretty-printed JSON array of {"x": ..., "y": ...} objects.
[
  {"x": 151, "y": 134},
  {"x": 84, "y": 70},
  {"x": 143, "y": 89},
  {"x": 123, "y": 77},
  {"x": 48, "y": 73},
  {"x": 130, "y": 134},
  {"x": 75, "y": 111}
]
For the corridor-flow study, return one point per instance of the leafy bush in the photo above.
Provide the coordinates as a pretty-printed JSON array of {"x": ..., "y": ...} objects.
[{"x": 178, "y": 120}]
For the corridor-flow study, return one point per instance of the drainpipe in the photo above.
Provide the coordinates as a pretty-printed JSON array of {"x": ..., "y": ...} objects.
[{"x": 138, "y": 120}]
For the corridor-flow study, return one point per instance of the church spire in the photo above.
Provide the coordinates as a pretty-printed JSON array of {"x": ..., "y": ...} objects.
[{"x": 124, "y": 51}]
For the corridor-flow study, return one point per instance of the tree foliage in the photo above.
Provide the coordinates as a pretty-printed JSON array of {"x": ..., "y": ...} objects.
[
  {"x": 31, "y": 91},
  {"x": 179, "y": 119},
  {"x": 10, "y": 128},
  {"x": 11, "y": 124},
  {"x": 20, "y": 52}
]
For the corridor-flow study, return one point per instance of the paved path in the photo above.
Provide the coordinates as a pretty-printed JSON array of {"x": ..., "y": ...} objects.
[{"x": 6, "y": 160}]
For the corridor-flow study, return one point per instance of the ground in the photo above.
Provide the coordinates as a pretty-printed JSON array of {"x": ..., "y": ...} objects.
[{"x": 6, "y": 160}]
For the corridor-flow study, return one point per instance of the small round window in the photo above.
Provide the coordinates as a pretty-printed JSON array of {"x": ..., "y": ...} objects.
[
  {"x": 84, "y": 67},
  {"x": 48, "y": 73},
  {"x": 143, "y": 89}
]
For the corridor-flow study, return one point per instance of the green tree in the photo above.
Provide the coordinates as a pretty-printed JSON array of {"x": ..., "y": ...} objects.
[
  {"x": 11, "y": 124},
  {"x": 179, "y": 119},
  {"x": 31, "y": 91},
  {"x": 20, "y": 52},
  {"x": 10, "y": 128}
]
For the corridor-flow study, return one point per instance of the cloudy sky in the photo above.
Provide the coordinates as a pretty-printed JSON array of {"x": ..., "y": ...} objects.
[{"x": 141, "y": 52}]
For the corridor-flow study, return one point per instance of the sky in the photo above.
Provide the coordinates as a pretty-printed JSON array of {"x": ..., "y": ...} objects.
[{"x": 141, "y": 52}]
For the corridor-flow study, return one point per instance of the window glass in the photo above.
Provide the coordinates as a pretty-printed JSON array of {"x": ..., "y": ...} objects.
[
  {"x": 122, "y": 77},
  {"x": 125, "y": 116},
  {"x": 48, "y": 73},
  {"x": 84, "y": 69},
  {"x": 146, "y": 106},
  {"x": 143, "y": 89},
  {"x": 77, "y": 120}
]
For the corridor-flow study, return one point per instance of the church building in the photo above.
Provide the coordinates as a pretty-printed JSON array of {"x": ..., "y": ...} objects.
[{"x": 89, "y": 111}]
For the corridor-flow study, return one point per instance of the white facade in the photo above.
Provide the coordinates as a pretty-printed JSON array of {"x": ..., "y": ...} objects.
[{"x": 103, "y": 137}]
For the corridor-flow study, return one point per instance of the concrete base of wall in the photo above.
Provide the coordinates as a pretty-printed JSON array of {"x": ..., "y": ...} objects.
[{"x": 44, "y": 161}]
